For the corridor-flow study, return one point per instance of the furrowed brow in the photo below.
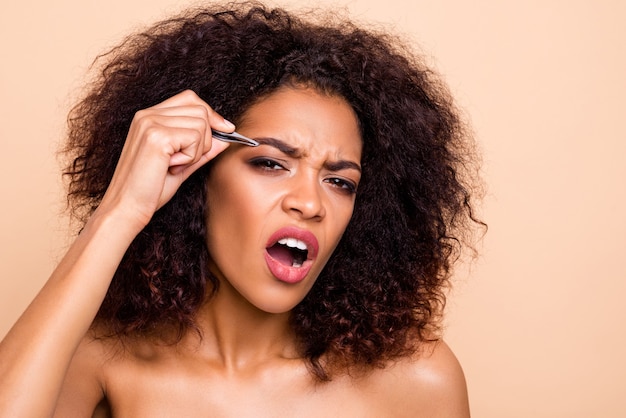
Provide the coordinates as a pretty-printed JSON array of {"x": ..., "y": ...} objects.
[{"x": 287, "y": 149}]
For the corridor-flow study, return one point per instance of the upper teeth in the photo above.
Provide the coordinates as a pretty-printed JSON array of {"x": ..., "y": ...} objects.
[{"x": 293, "y": 243}]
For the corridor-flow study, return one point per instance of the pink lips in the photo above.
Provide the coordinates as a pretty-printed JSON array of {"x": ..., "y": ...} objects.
[{"x": 289, "y": 274}]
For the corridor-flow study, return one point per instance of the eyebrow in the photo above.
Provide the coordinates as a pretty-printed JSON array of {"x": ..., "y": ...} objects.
[
  {"x": 285, "y": 148},
  {"x": 280, "y": 145}
]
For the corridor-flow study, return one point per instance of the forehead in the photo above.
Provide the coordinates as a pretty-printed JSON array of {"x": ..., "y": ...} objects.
[{"x": 307, "y": 119}]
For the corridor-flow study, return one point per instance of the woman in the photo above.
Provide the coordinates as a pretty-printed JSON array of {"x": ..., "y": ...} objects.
[{"x": 301, "y": 277}]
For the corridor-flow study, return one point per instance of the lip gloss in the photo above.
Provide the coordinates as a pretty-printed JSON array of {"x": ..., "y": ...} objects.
[{"x": 284, "y": 272}]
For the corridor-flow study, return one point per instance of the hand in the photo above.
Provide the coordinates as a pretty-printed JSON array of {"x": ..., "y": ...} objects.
[{"x": 166, "y": 143}]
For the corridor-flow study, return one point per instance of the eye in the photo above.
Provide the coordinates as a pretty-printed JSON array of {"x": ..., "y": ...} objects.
[
  {"x": 267, "y": 164},
  {"x": 344, "y": 185}
]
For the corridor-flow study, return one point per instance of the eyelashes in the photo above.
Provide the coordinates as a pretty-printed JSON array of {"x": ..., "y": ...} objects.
[
  {"x": 267, "y": 164},
  {"x": 271, "y": 166},
  {"x": 348, "y": 186}
]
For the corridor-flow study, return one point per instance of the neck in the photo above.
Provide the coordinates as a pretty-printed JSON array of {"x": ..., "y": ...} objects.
[{"x": 238, "y": 335}]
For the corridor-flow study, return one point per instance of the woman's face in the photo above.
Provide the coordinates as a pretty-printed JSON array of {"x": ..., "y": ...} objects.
[{"x": 276, "y": 212}]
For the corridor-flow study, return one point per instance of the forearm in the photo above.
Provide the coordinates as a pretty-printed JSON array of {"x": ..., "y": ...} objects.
[
  {"x": 165, "y": 145},
  {"x": 36, "y": 352}
]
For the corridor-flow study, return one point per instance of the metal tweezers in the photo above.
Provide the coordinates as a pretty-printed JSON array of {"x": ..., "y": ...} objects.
[{"x": 234, "y": 137}]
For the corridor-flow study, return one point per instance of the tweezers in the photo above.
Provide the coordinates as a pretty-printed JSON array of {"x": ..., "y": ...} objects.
[{"x": 234, "y": 137}]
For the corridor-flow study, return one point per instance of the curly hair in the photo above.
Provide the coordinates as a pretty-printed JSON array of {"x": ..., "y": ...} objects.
[{"x": 382, "y": 292}]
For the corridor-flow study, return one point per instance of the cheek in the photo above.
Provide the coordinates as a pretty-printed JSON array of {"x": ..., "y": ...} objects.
[
  {"x": 343, "y": 209},
  {"x": 237, "y": 209},
  {"x": 225, "y": 197}
]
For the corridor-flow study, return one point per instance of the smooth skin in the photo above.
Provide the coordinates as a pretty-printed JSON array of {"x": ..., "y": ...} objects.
[
  {"x": 304, "y": 175},
  {"x": 246, "y": 363}
]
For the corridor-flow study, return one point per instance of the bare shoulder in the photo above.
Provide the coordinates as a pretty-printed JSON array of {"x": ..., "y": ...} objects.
[
  {"x": 82, "y": 394},
  {"x": 431, "y": 383}
]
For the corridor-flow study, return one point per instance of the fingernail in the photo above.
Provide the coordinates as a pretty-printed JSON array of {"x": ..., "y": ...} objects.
[{"x": 229, "y": 124}]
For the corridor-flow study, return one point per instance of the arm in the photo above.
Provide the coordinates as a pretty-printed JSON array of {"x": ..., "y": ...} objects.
[
  {"x": 164, "y": 146},
  {"x": 84, "y": 387}
]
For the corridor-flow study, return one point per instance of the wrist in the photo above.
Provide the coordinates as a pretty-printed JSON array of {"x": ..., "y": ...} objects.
[{"x": 119, "y": 225}]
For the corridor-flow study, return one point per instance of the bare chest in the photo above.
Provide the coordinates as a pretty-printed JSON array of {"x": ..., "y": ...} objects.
[{"x": 176, "y": 392}]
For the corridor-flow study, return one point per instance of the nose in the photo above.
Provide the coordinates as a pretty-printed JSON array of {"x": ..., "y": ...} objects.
[{"x": 304, "y": 198}]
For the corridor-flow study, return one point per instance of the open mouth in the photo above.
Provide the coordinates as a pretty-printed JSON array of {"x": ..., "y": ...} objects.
[{"x": 290, "y": 252}]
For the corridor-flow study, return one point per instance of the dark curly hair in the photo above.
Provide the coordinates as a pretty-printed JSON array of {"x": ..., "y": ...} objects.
[{"x": 382, "y": 291}]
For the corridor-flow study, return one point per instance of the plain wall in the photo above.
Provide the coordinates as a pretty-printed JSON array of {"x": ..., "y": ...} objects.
[{"x": 538, "y": 320}]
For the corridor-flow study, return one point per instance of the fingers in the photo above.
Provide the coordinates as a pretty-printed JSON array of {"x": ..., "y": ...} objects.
[
  {"x": 189, "y": 98},
  {"x": 185, "y": 122},
  {"x": 166, "y": 143}
]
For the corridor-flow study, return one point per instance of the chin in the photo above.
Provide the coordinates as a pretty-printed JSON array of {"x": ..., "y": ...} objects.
[{"x": 276, "y": 304}]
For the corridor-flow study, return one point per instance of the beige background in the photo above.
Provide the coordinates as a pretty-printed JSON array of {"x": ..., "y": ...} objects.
[{"x": 538, "y": 321}]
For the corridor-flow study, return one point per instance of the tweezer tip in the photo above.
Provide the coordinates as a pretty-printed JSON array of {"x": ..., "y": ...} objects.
[{"x": 234, "y": 137}]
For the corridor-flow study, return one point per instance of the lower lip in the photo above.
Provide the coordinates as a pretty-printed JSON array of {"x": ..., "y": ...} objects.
[{"x": 285, "y": 273}]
